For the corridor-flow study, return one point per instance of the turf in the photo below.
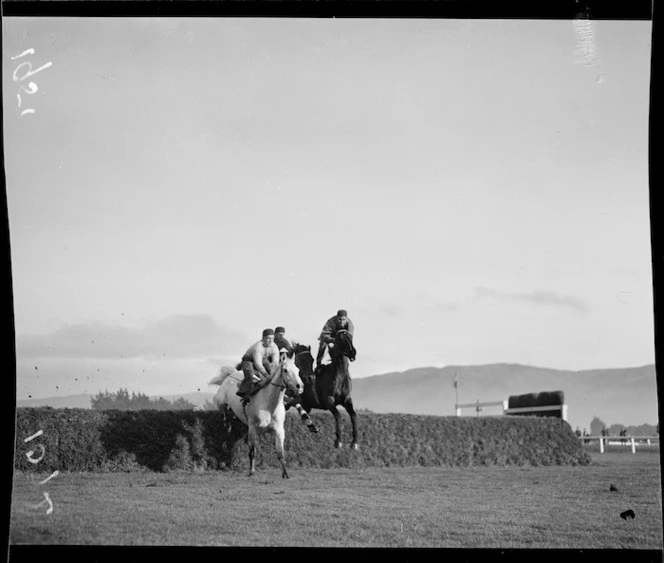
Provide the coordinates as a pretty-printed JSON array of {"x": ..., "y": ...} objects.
[{"x": 466, "y": 507}]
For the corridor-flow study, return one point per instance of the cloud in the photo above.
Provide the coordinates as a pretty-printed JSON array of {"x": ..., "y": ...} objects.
[
  {"x": 446, "y": 306},
  {"x": 480, "y": 292},
  {"x": 392, "y": 310},
  {"x": 551, "y": 298},
  {"x": 176, "y": 336},
  {"x": 534, "y": 297},
  {"x": 59, "y": 377},
  {"x": 433, "y": 304}
]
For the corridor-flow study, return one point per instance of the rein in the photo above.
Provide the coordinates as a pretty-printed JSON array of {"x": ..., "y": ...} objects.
[
  {"x": 270, "y": 382},
  {"x": 280, "y": 385}
]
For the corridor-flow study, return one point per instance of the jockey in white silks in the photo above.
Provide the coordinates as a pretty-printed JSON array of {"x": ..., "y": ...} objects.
[{"x": 258, "y": 361}]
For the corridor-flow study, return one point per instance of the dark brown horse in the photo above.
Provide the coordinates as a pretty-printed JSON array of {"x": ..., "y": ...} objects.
[
  {"x": 305, "y": 363},
  {"x": 330, "y": 388}
]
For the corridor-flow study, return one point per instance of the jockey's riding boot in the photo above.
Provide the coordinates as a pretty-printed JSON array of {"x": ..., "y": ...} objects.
[{"x": 245, "y": 387}]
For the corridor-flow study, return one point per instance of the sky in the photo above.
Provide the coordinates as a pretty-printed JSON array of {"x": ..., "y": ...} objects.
[{"x": 470, "y": 191}]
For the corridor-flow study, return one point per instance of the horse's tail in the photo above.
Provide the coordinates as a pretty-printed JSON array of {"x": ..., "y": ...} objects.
[{"x": 224, "y": 372}]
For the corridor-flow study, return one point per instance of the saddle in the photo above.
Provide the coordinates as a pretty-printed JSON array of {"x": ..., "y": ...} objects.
[{"x": 256, "y": 387}]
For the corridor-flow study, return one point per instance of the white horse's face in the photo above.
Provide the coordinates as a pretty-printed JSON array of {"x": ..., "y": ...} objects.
[{"x": 290, "y": 374}]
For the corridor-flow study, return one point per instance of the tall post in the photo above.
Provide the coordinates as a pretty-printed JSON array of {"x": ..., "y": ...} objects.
[
  {"x": 456, "y": 393},
  {"x": 633, "y": 445}
]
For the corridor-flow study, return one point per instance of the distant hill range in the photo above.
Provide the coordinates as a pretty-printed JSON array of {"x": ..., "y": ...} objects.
[{"x": 623, "y": 396}]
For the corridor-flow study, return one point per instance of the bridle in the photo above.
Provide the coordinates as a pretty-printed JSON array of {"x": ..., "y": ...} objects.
[
  {"x": 348, "y": 347},
  {"x": 281, "y": 385}
]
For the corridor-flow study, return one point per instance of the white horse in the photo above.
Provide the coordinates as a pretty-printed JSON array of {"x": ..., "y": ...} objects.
[{"x": 265, "y": 411}]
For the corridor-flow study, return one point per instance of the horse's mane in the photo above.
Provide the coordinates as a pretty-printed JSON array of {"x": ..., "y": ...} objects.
[
  {"x": 345, "y": 336},
  {"x": 299, "y": 348}
]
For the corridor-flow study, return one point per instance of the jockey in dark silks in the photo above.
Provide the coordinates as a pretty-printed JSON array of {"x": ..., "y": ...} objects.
[
  {"x": 333, "y": 325},
  {"x": 282, "y": 342}
]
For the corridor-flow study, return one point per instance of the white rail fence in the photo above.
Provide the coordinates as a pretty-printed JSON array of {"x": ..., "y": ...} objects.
[
  {"x": 622, "y": 441},
  {"x": 632, "y": 441},
  {"x": 479, "y": 407},
  {"x": 562, "y": 409}
]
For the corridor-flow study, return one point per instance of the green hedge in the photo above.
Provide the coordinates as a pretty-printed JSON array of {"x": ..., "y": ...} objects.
[{"x": 87, "y": 440}]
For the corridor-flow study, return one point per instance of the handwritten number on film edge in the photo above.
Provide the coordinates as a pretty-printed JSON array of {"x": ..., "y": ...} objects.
[
  {"x": 29, "y": 454},
  {"x": 31, "y": 87}
]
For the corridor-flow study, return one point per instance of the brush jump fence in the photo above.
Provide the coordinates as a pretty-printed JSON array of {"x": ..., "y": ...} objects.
[
  {"x": 547, "y": 403},
  {"x": 49, "y": 440},
  {"x": 621, "y": 441}
]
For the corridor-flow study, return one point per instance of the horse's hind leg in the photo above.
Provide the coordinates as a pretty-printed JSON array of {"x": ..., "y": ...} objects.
[
  {"x": 251, "y": 441},
  {"x": 226, "y": 414},
  {"x": 279, "y": 436},
  {"x": 348, "y": 405}
]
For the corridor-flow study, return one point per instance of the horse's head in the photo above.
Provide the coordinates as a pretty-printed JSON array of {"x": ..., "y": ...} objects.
[
  {"x": 285, "y": 350},
  {"x": 304, "y": 360},
  {"x": 290, "y": 374},
  {"x": 299, "y": 348},
  {"x": 343, "y": 344}
]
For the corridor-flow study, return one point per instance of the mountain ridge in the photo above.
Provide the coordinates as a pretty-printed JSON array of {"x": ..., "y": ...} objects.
[{"x": 625, "y": 396}]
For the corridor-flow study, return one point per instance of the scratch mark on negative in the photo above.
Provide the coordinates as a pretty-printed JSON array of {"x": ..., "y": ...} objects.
[{"x": 585, "y": 51}]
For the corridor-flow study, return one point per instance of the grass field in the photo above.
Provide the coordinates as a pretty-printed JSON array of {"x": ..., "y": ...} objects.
[{"x": 479, "y": 507}]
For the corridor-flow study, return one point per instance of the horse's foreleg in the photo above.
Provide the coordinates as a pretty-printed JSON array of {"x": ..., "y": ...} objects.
[
  {"x": 348, "y": 405},
  {"x": 225, "y": 415},
  {"x": 290, "y": 401},
  {"x": 311, "y": 425},
  {"x": 251, "y": 441},
  {"x": 337, "y": 419},
  {"x": 279, "y": 435}
]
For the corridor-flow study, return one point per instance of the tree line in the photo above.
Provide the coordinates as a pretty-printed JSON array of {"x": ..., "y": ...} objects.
[
  {"x": 599, "y": 428},
  {"x": 123, "y": 401}
]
